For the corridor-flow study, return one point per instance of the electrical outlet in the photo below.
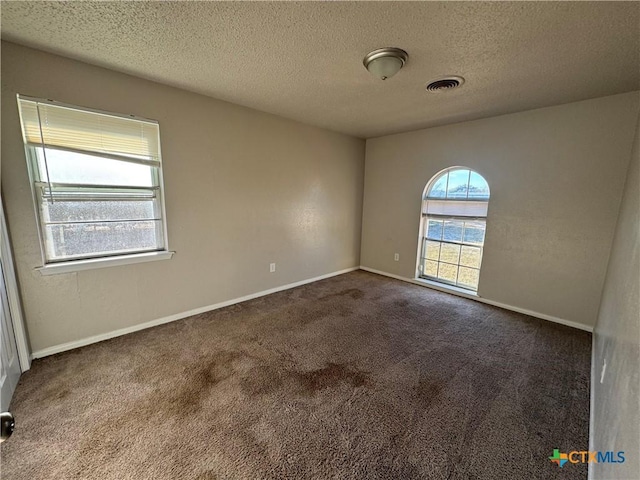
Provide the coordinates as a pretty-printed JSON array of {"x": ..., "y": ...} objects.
[
  {"x": 396, "y": 257},
  {"x": 272, "y": 267}
]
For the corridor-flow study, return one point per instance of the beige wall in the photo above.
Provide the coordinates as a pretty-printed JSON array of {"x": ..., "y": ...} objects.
[
  {"x": 556, "y": 177},
  {"x": 615, "y": 409},
  {"x": 243, "y": 189}
]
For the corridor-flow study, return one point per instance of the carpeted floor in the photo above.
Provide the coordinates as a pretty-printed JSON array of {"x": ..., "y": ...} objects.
[{"x": 354, "y": 377}]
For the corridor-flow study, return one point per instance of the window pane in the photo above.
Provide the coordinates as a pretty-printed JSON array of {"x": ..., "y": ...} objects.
[
  {"x": 468, "y": 277},
  {"x": 450, "y": 253},
  {"x": 478, "y": 187},
  {"x": 434, "y": 229},
  {"x": 474, "y": 232},
  {"x": 88, "y": 211},
  {"x": 447, "y": 272},
  {"x": 470, "y": 256},
  {"x": 453, "y": 230},
  {"x": 439, "y": 189},
  {"x": 458, "y": 184},
  {"x": 431, "y": 268},
  {"x": 97, "y": 239},
  {"x": 67, "y": 167},
  {"x": 432, "y": 250}
]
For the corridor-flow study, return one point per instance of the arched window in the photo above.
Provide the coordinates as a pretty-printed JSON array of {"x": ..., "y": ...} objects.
[{"x": 454, "y": 212}]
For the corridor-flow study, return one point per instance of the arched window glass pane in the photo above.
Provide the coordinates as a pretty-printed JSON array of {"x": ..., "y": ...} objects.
[
  {"x": 458, "y": 184},
  {"x": 439, "y": 189},
  {"x": 478, "y": 187}
]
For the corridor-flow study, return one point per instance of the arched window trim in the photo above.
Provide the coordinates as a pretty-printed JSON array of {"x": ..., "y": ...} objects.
[{"x": 455, "y": 258}]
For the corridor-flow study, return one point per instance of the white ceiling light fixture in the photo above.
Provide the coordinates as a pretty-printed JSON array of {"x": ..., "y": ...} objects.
[{"x": 385, "y": 62}]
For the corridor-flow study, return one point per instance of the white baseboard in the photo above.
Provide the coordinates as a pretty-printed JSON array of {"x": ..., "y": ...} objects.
[
  {"x": 477, "y": 298},
  {"x": 171, "y": 318}
]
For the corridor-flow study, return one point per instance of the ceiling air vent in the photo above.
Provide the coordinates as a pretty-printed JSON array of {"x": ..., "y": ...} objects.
[{"x": 444, "y": 84}]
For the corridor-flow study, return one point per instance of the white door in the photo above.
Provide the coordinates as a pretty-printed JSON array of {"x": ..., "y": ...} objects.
[
  {"x": 14, "y": 349},
  {"x": 9, "y": 362}
]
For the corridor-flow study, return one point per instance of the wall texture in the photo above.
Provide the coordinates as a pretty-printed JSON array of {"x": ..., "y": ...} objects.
[
  {"x": 556, "y": 177},
  {"x": 615, "y": 410},
  {"x": 243, "y": 189}
]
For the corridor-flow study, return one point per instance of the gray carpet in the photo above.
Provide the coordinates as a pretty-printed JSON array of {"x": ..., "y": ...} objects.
[{"x": 358, "y": 376}]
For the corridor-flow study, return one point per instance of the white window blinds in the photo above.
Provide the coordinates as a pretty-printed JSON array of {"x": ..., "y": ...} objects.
[
  {"x": 49, "y": 125},
  {"x": 455, "y": 208},
  {"x": 96, "y": 181}
]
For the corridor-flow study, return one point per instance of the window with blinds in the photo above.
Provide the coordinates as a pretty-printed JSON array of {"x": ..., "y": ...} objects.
[
  {"x": 97, "y": 181},
  {"x": 454, "y": 211}
]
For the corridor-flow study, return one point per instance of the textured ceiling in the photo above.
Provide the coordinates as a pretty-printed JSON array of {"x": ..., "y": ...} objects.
[{"x": 304, "y": 60}]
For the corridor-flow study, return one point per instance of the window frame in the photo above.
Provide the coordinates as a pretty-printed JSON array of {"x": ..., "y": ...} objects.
[
  {"x": 105, "y": 259},
  {"x": 421, "y": 275}
]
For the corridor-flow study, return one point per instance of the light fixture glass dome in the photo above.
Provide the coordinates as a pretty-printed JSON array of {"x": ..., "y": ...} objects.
[{"x": 385, "y": 62}]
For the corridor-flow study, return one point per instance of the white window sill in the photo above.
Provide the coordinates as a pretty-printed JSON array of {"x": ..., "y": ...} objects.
[
  {"x": 92, "y": 263},
  {"x": 447, "y": 288}
]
